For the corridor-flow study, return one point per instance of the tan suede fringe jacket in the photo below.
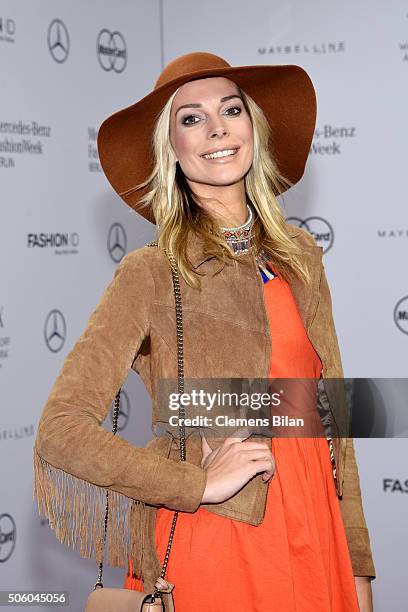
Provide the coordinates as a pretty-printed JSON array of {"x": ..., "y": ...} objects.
[{"x": 76, "y": 459}]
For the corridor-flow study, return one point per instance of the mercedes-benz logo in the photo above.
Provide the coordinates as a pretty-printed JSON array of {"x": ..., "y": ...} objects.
[
  {"x": 58, "y": 40},
  {"x": 124, "y": 410},
  {"x": 55, "y": 330},
  {"x": 7, "y": 536},
  {"x": 117, "y": 242},
  {"x": 401, "y": 314},
  {"x": 111, "y": 50},
  {"x": 319, "y": 228}
]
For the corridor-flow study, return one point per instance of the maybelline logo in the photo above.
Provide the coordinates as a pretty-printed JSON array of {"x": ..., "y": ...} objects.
[
  {"x": 117, "y": 242},
  {"x": 5, "y": 341},
  {"x": 322, "y": 48},
  {"x": 111, "y": 50},
  {"x": 392, "y": 233},
  {"x": 7, "y": 29},
  {"x": 401, "y": 314},
  {"x": 335, "y": 134},
  {"x": 7, "y": 536},
  {"x": 124, "y": 410},
  {"x": 63, "y": 243},
  {"x": 319, "y": 228},
  {"x": 58, "y": 40},
  {"x": 394, "y": 485},
  {"x": 17, "y": 433},
  {"x": 55, "y": 330}
]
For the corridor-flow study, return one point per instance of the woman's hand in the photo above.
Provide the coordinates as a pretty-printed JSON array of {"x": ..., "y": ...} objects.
[{"x": 230, "y": 466}]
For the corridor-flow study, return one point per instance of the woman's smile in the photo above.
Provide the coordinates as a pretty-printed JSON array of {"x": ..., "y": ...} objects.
[{"x": 222, "y": 156}]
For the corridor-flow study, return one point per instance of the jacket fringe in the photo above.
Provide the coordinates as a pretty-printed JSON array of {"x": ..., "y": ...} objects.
[{"x": 75, "y": 510}]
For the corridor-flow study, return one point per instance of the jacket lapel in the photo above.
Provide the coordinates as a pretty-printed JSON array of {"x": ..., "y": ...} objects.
[{"x": 306, "y": 296}]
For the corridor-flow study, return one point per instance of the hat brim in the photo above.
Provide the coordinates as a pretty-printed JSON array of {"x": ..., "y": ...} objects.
[{"x": 285, "y": 93}]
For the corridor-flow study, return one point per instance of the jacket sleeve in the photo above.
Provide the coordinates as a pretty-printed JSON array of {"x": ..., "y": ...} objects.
[
  {"x": 350, "y": 502},
  {"x": 353, "y": 517},
  {"x": 73, "y": 453}
]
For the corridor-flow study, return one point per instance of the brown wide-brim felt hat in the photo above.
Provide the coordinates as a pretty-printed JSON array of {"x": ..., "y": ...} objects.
[{"x": 285, "y": 93}]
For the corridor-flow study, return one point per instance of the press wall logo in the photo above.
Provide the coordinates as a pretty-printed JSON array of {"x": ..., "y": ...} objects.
[
  {"x": 55, "y": 330},
  {"x": 58, "y": 40},
  {"x": 124, "y": 410},
  {"x": 404, "y": 50},
  {"x": 117, "y": 242},
  {"x": 19, "y": 139},
  {"x": 93, "y": 156},
  {"x": 111, "y": 50},
  {"x": 8, "y": 534},
  {"x": 5, "y": 340},
  {"x": 17, "y": 432},
  {"x": 63, "y": 243},
  {"x": 401, "y": 314},
  {"x": 331, "y": 47},
  {"x": 392, "y": 233},
  {"x": 403, "y": 46},
  {"x": 394, "y": 485},
  {"x": 7, "y": 29},
  {"x": 319, "y": 228},
  {"x": 328, "y": 139}
]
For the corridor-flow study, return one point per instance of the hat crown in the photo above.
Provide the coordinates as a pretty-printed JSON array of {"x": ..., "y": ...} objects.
[{"x": 189, "y": 64}]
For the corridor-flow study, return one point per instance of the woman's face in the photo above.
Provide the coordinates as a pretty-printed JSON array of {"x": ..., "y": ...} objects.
[{"x": 204, "y": 121}]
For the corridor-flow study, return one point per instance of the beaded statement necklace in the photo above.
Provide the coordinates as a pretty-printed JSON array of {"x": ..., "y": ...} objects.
[{"x": 242, "y": 240}]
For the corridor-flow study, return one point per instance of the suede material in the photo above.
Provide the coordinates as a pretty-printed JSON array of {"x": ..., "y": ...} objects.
[{"x": 226, "y": 334}]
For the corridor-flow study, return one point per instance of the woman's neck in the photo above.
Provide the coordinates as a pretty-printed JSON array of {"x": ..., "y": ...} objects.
[{"x": 226, "y": 204}]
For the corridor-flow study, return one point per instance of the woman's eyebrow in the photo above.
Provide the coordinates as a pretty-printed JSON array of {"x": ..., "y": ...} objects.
[{"x": 197, "y": 105}]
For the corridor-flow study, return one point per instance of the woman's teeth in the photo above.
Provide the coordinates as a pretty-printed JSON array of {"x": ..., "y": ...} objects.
[{"x": 224, "y": 153}]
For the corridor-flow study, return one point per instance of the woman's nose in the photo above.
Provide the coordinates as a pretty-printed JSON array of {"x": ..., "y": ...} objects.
[
  {"x": 217, "y": 128},
  {"x": 219, "y": 131}
]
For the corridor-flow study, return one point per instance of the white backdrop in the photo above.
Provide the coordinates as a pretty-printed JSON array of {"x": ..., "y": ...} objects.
[{"x": 64, "y": 230}]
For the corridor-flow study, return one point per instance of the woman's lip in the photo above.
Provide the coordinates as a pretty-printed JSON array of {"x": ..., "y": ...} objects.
[{"x": 220, "y": 159}]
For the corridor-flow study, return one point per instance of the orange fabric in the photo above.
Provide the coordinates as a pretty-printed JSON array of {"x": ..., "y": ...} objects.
[{"x": 297, "y": 559}]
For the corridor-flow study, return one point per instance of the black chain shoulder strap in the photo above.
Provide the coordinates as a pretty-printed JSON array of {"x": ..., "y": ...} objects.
[{"x": 180, "y": 372}]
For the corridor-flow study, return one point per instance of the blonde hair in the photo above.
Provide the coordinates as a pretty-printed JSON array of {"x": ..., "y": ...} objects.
[{"x": 177, "y": 210}]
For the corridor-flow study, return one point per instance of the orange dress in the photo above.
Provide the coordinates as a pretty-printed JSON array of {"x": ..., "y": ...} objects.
[{"x": 297, "y": 559}]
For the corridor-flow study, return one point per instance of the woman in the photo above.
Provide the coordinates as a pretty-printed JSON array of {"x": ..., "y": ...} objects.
[{"x": 247, "y": 278}]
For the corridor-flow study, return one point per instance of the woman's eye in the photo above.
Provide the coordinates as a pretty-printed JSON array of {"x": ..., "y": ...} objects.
[
  {"x": 185, "y": 120},
  {"x": 234, "y": 108}
]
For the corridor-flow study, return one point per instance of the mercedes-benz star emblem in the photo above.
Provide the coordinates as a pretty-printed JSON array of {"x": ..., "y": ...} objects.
[
  {"x": 58, "y": 40},
  {"x": 117, "y": 242},
  {"x": 55, "y": 330}
]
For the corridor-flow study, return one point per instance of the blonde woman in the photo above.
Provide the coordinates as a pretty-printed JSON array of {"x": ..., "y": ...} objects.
[{"x": 272, "y": 524}]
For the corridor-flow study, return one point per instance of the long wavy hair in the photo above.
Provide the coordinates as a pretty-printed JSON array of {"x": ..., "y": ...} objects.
[{"x": 177, "y": 210}]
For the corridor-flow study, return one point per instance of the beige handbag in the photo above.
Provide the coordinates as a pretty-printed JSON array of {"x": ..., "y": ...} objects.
[{"x": 102, "y": 599}]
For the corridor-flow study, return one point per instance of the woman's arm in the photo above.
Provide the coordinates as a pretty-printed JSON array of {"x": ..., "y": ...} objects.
[
  {"x": 364, "y": 593},
  {"x": 70, "y": 438}
]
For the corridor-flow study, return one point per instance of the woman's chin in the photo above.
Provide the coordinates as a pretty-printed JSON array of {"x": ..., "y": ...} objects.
[{"x": 219, "y": 179}]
